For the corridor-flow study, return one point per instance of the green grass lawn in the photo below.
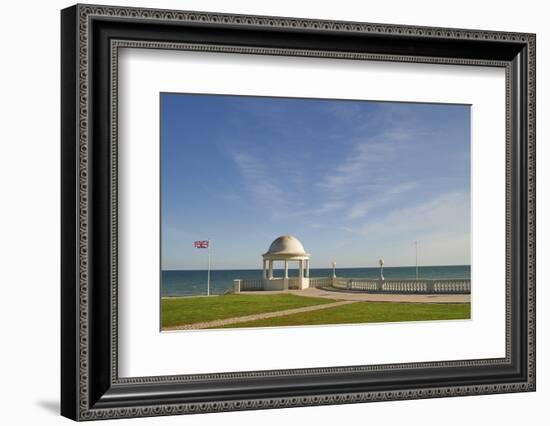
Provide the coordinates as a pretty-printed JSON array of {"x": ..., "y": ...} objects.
[
  {"x": 187, "y": 310},
  {"x": 365, "y": 312}
]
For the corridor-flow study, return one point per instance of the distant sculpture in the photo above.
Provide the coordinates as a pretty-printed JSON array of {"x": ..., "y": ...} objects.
[{"x": 381, "y": 263}]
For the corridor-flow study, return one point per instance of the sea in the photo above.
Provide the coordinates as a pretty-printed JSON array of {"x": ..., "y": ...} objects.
[{"x": 194, "y": 282}]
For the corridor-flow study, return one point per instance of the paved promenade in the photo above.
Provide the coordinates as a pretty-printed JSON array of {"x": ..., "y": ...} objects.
[{"x": 374, "y": 297}]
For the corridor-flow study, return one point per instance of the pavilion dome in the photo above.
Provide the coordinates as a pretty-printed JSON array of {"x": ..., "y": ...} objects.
[{"x": 286, "y": 245}]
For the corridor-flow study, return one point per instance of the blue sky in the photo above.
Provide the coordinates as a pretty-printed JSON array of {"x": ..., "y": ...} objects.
[{"x": 354, "y": 181}]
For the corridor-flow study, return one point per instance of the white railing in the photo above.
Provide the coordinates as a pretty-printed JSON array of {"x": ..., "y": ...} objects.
[
  {"x": 320, "y": 282},
  {"x": 363, "y": 284},
  {"x": 293, "y": 283},
  {"x": 405, "y": 286},
  {"x": 449, "y": 286},
  {"x": 452, "y": 286},
  {"x": 341, "y": 283},
  {"x": 251, "y": 285}
]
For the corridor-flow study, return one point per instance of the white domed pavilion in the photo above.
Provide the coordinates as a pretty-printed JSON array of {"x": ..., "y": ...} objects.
[{"x": 286, "y": 249}]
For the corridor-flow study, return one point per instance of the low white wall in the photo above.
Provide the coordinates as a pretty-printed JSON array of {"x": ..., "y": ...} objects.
[{"x": 450, "y": 286}]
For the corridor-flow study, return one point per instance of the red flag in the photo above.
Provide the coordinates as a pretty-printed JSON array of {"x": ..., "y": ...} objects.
[{"x": 201, "y": 244}]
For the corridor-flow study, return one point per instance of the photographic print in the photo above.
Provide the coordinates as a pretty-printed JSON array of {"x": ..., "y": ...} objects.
[{"x": 280, "y": 212}]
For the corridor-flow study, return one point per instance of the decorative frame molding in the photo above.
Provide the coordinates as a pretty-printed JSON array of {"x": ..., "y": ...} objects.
[{"x": 91, "y": 37}]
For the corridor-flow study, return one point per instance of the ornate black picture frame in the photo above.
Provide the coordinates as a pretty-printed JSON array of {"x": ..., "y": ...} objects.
[{"x": 91, "y": 36}]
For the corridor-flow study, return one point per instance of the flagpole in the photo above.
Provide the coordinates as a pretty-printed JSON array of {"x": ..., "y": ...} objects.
[
  {"x": 208, "y": 281},
  {"x": 416, "y": 257}
]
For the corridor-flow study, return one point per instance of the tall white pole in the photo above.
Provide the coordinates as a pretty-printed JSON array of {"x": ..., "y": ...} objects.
[
  {"x": 416, "y": 257},
  {"x": 208, "y": 281}
]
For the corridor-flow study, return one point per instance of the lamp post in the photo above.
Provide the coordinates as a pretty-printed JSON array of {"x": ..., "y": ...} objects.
[
  {"x": 333, "y": 269},
  {"x": 381, "y": 276}
]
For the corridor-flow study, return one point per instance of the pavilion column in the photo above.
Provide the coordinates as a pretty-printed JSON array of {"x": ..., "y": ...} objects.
[
  {"x": 307, "y": 268},
  {"x": 301, "y": 274},
  {"x": 270, "y": 276},
  {"x": 286, "y": 268},
  {"x": 264, "y": 269}
]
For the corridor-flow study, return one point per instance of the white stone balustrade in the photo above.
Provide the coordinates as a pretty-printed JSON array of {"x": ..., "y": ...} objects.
[
  {"x": 448, "y": 286},
  {"x": 251, "y": 285},
  {"x": 320, "y": 282}
]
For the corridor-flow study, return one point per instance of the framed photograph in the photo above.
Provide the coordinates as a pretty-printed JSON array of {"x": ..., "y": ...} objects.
[{"x": 263, "y": 212}]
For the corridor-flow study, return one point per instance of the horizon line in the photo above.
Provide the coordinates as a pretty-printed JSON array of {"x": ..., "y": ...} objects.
[{"x": 328, "y": 267}]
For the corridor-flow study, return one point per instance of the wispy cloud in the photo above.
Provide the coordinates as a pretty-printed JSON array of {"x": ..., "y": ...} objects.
[
  {"x": 265, "y": 190},
  {"x": 311, "y": 210},
  {"x": 372, "y": 161},
  {"x": 362, "y": 208},
  {"x": 328, "y": 207},
  {"x": 377, "y": 172},
  {"x": 280, "y": 187},
  {"x": 442, "y": 214},
  {"x": 370, "y": 178},
  {"x": 362, "y": 169},
  {"x": 441, "y": 225}
]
